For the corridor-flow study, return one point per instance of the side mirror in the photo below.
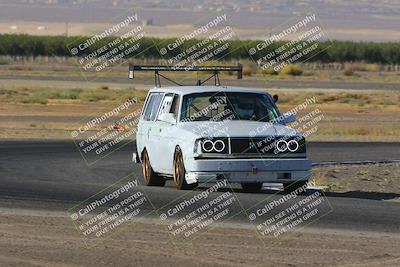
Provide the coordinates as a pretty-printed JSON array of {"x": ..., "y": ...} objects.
[
  {"x": 288, "y": 118},
  {"x": 275, "y": 97},
  {"x": 167, "y": 117}
]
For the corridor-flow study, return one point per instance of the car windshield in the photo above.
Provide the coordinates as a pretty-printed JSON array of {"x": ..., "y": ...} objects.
[{"x": 218, "y": 106}]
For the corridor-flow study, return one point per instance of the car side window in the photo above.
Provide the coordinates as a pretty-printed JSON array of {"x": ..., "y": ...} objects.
[
  {"x": 152, "y": 107},
  {"x": 170, "y": 104},
  {"x": 175, "y": 106},
  {"x": 166, "y": 104}
]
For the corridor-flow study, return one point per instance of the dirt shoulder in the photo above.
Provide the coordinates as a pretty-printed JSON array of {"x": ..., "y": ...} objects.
[
  {"x": 53, "y": 241},
  {"x": 381, "y": 179}
]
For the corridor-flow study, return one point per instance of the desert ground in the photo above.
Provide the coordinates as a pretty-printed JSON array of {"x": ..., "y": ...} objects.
[{"x": 37, "y": 240}]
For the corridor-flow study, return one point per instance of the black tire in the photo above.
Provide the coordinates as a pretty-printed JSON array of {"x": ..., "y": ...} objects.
[
  {"x": 179, "y": 172},
  {"x": 149, "y": 176},
  {"x": 290, "y": 187},
  {"x": 251, "y": 187}
]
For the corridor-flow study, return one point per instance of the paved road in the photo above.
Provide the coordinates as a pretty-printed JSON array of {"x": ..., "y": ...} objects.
[{"x": 53, "y": 176}]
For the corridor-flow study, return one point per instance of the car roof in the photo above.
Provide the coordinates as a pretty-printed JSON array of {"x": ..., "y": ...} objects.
[{"x": 184, "y": 90}]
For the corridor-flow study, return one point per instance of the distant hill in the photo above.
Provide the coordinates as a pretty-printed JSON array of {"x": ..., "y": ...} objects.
[{"x": 364, "y": 20}]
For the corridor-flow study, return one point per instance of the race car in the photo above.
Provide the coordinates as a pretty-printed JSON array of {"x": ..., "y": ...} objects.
[{"x": 198, "y": 134}]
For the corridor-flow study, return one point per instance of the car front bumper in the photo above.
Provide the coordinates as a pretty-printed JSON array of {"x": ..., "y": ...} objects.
[{"x": 248, "y": 170}]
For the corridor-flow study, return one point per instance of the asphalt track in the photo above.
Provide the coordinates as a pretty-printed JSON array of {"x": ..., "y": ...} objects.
[{"x": 52, "y": 176}]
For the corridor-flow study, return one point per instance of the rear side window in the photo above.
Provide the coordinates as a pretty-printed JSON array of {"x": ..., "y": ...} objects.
[
  {"x": 152, "y": 106},
  {"x": 175, "y": 106},
  {"x": 167, "y": 102},
  {"x": 170, "y": 104}
]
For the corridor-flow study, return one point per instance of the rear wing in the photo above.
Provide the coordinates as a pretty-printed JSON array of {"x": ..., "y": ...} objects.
[{"x": 157, "y": 68}]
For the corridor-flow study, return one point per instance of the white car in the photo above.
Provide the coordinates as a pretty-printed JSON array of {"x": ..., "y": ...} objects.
[
  {"x": 206, "y": 133},
  {"x": 196, "y": 134}
]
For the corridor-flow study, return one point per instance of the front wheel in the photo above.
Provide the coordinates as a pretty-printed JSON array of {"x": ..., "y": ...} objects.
[
  {"x": 251, "y": 187},
  {"x": 290, "y": 187},
  {"x": 149, "y": 176},
  {"x": 179, "y": 172}
]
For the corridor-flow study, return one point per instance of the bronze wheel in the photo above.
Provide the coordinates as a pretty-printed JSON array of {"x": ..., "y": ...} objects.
[
  {"x": 179, "y": 172},
  {"x": 149, "y": 176}
]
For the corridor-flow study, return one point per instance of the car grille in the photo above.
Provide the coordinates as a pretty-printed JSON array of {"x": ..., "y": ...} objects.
[{"x": 265, "y": 145}]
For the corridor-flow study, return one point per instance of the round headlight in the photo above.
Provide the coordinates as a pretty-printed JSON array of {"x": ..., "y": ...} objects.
[
  {"x": 207, "y": 145},
  {"x": 292, "y": 145},
  {"x": 219, "y": 145},
  {"x": 281, "y": 145}
]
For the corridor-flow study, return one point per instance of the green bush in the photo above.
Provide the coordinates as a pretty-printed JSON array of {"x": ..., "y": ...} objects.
[
  {"x": 269, "y": 71},
  {"x": 292, "y": 69},
  {"x": 94, "y": 96},
  {"x": 34, "y": 99},
  {"x": 348, "y": 72},
  {"x": 103, "y": 87},
  {"x": 6, "y": 91}
]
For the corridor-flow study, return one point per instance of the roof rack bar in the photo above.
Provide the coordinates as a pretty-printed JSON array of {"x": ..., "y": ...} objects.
[{"x": 158, "y": 68}]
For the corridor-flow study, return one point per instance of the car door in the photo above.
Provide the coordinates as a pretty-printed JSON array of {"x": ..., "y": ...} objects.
[
  {"x": 142, "y": 127},
  {"x": 167, "y": 132},
  {"x": 147, "y": 138}
]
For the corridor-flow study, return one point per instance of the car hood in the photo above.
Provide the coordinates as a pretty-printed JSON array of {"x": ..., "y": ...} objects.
[{"x": 236, "y": 128}]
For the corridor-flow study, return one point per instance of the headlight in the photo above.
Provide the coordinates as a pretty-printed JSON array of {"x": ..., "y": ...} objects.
[
  {"x": 211, "y": 145},
  {"x": 288, "y": 144},
  {"x": 292, "y": 145}
]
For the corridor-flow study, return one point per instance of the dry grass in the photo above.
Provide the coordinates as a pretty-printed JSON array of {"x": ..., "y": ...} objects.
[
  {"x": 371, "y": 116},
  {"x": 348, "y": 116},
  {"x": 320, "y": 178},
  {"x": 269, "y": 71},
  {"x": 364, "y": 130},
  {"x": 353, "y": 99},
  {"x": 292, "y": 69},
  {"x": 351, "y": 68},
  {"x": 44, "y": 95},
  {"x": 247, "y": 70},
  {"x": 362, "y": 66},
  {"x": 70, "y": 69}
]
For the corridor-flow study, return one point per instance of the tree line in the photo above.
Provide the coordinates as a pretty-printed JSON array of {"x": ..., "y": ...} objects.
[{"x": 332, "y": 51}]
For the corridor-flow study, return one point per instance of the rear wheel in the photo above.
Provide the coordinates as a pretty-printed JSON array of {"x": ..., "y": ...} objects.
[
  {"x": 251, "y": 187},
  {"x": 149, "y": 176},
  {"x": 290, "y": 187},
  {"x": 179, "y": 172}
]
